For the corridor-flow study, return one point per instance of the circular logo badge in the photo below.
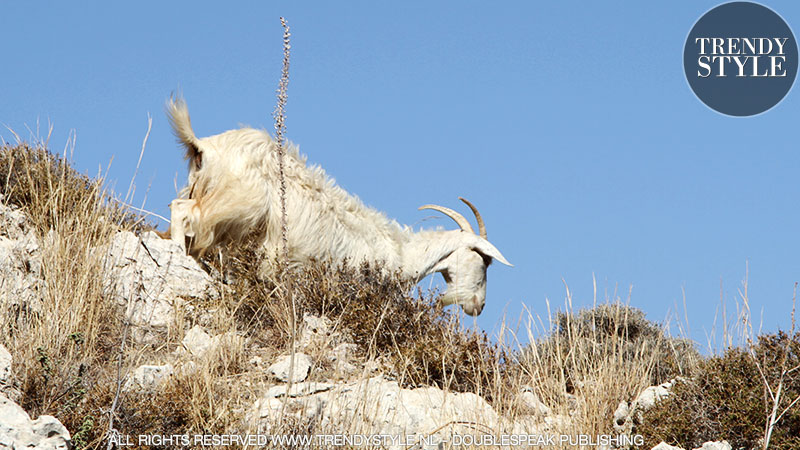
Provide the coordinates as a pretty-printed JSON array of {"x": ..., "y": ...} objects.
[{"x": 740, "y": 58}]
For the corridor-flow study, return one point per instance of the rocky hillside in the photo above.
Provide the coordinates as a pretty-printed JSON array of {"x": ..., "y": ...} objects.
[{"x": 111, "y": 335}]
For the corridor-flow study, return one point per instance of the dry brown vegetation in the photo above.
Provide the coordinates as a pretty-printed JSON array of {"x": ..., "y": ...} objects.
[
  {"x": 731, "y": 397},
  {"x": 70, "y": 354},
  {"x": 602, "y": 356},
  {"x": 61, "y": 351}
]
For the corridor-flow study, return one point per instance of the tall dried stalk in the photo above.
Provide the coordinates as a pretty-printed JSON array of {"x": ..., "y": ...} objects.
[
  {"x": 280, "y": 130},
  {"x": 774, "y": 416},
  {"x": 773, "y": 394}
]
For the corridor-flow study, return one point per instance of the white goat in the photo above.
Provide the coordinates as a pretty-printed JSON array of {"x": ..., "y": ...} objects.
[{"x": 234, "y": 189}]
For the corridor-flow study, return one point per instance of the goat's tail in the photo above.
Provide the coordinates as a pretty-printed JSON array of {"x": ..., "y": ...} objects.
[{"x": 178, "y": 115}]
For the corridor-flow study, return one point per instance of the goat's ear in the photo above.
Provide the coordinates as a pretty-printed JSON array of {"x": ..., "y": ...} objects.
[{"x": 486, "y": 248}]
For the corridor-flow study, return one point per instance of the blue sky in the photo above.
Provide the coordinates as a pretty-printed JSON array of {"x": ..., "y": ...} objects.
[{"x": 569, "y": 124}]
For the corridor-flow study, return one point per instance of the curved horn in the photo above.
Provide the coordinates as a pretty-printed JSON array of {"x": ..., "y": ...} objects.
[
  {"x": 481, "y": 225},
  {"x": 460, "y": 220}
]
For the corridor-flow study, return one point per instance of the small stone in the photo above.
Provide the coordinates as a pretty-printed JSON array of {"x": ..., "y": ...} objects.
[
  {"x": 5, "y": 365},
  {"x": 148, "y": 378},
  {"x": 280, "y": 368},
  {"x": 621, "y": 415},
  {"x": 650, "y": 396},
  {"x": 532, "y": 403},
  {"x": 717, "y": 445},
  {"x": 664, "y": 446},
  {"x": 197, "y": 342}
]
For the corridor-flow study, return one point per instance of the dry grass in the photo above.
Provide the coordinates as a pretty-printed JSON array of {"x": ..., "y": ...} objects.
[
  {"x": 418, "y": 341},
  {"x": 586, "y": 362},
  {"x": 56, "y": 197},
  {"x": 72, "y": 353},
  {"x": 581, "y": 364},
  {"x": 66, "y": 355},
  {"x": 727, "y": 399},
  {"x": 61, "y": 349},
  {"x": 747, "y": 394}
]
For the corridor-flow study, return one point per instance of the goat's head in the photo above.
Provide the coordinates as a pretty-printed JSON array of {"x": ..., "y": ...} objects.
[{"x": 464, "y": 269}]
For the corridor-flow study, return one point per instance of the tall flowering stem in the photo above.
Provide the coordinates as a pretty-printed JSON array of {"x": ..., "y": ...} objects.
[{"x": 280, "y": 131}]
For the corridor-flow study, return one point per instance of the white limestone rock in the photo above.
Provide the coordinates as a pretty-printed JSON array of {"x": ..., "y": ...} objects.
[
  {"x": 152, "y": 277},
  {"x": 5, "y": 366},
  {"x": 21, "y": 283},
  {"x": 716, "y": 445},
  {"x": 280, "y": 368},
  {"x": 196, "y": 341},
  {"x": 664, "y": 446},
  {"x": 621, "y": 415},
  {"x": 530, "y": 401},
  {"x": 148, "y": 378},
  {"x": 199, "y": 344},
  {"x": 377, "y": 406},
  {"x": 18, "y": 431}
]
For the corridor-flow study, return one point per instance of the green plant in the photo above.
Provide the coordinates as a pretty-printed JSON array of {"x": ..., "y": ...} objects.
[{"x": 81, "y": 436}]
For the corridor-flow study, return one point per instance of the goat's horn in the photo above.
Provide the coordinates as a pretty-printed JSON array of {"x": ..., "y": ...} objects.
[
  {"x": 460, "y": 220},
  {"x": 481, "y": 225}
]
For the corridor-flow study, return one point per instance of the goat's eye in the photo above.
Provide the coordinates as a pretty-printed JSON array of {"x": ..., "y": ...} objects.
[
  {"x": 487, "y": 260},
  {"x": 446, "y": 276}
]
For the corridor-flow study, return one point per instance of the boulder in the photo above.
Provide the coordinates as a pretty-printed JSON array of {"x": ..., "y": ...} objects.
[
  {"x": 152, "y": 277},
  {"x": 18, "y": 431},
  {"x": 21, "y": 283},
  {"x": 378, "y": 406}
]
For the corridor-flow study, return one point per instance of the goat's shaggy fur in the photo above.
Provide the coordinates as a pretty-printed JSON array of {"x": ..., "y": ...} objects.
[{"x": 233, "y": 191}]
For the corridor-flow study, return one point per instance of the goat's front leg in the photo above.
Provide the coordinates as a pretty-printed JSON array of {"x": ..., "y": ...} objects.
[{"x": 180, "y": 221}]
